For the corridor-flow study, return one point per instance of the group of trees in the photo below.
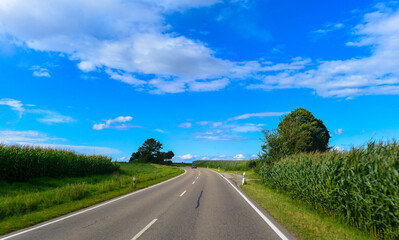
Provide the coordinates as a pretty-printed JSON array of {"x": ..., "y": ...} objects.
[
  {"x": 297, "y": 132},
  {"x": 150, "y": 152}
]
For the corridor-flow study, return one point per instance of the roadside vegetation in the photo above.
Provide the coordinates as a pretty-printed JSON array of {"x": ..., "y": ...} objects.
[
  {"x": 226, "y": 165},
  {"x": 360, "y": 187},
  {"x": 300, "y": 218},
  {"x": 21, "y": 163},
  {"x": 40, "y": 197}
]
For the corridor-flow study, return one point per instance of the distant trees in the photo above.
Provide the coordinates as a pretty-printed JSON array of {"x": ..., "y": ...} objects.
[
  {"x": 297, "y": 132},
  {"x": 150, "y": 152}
]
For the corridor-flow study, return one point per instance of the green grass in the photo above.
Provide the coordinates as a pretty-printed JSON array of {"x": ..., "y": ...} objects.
[
  {"x": 299, "y": 218},
  {"x": 227, "y": 165},
  {"x": 26, "y": 203}
]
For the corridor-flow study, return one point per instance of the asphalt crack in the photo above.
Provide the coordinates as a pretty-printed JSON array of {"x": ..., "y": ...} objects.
[{"x": 199, "y": 198}]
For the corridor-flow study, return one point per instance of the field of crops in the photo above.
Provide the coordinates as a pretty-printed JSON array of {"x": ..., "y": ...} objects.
[
  {"x": 361, "y": 185},
  {"x": 19, "y": 163},
  {"x": 224, "y": 164},
  {"x": 25, "y": 203}
]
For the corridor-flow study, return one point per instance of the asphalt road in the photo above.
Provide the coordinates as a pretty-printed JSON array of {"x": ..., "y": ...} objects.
[{"x": 200, "y": 204}]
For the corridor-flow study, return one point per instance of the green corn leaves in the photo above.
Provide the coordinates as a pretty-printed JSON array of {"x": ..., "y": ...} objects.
[
  {"x": 19, "y": 163},
  {"x": 361, "y": 185}
]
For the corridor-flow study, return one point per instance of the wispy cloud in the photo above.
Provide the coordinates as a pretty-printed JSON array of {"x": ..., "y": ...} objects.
[
  {"x": 47, "y": 116},
  {"x": 186, "y": 157},
  {"x": 159, "y": 130},
  {"x": 15, "y": 105},
  {"x": 257, "y": 115},
  {"x": 339, "y": 131},
  {"x": 110, "y": 123},
  {"x": 329, "y": 27},
  {"x": 40, "y": 71},
  {"x": 377, "y": 74},
  {"x": 36, "y": 138},
  {"x": 185, "y": 125},
  {"x": 77, "y": 148},
  {"x": 50, "y": 117},
  {"x": 10, "y": 137}
]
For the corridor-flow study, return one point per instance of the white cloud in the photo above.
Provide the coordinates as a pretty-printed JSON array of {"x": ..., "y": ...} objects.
[
  {"x": 377, "y": 74},
  {"x": 254, "y": 156},
  {"x": 329, "y": 28},
  {"x": 15, "y": 105},
  {"x": 48, "y": 117},
  {"x": 10, "y": 137},
  {"x": 159, "y": 130},
  {"x": 215, "y": 85},
  {"x": 203, "y": 123},
  {"x": 40, "y": 71},
  {"x": 185, "y": 125},
  {"x": 258, "y": 115},
  {"x": 77, "y": 148},
  {"x": 249, "y": 127},
  {"x": 339, "y": 131},
  {"x": 109, "y": 122},
  {"x": 186, "y": 157},
  {"x": 131, "y": 42},
  {"x": 239, "y": 157}
]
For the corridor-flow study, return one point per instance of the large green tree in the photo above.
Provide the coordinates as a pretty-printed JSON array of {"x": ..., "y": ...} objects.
[
  {"x": 150, "y": 152},
  {"x": 297, "y": 132}
]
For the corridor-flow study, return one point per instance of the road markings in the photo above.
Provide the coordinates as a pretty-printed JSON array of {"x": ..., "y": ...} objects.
[
  {"x": 197, "y": 177},
  {"x": 193, "y": 182},
  {"x": 144, "y": 229},
  {"x": 275, "y": 229},
  {"x": 89, "y": 209},
  {"x": 183, "y": 193}
]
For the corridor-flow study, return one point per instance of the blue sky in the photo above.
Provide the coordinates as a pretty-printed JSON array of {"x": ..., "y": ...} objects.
[{"x": 204, "y": 77}]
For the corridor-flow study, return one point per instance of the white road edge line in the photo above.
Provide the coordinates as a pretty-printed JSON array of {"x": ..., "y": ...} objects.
[
  {"x": 193, "y": 182},
  {"x": 183, "y": 193},
  {"x": 275, "y": 229},
  {"x": 144, "y": 229},
  {"x": 89, "y": 209}
]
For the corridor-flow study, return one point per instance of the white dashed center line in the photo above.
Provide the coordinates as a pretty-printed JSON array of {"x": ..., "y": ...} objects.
[{"x": 183, "y": 193}]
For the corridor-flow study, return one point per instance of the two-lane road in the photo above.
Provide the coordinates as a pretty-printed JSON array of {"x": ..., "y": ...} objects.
[{"x": 200, "y": 204}]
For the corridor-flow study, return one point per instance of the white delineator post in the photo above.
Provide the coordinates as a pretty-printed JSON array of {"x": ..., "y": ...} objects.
[
  {"x": 134, "y": 182},
  {"x": 243, "y": 178}
]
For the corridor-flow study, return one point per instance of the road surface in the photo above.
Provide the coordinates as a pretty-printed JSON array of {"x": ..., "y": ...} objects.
[{"x": 199, "y": 204}]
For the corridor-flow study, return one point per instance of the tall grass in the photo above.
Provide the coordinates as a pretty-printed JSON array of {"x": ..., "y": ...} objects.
[
  {"x": 20, "y": 163},
  {"x": 362, "y": 185},
  {"x": 228, "y": 165},
  {"x": 20, "y": 198}
]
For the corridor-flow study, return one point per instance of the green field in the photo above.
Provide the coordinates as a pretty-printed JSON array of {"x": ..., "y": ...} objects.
[
  {"x": 228, "y": 165},
  {"x": 21, "y": 163},
  {"x": 26, "y": 203},
  {"x": 361, "y": 186},
  {"x": 300, "y": 218}
]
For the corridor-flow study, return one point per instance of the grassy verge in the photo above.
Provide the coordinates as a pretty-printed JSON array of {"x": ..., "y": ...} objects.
[
  {"x": 249, "y": 174},
  {"x": 299, "y": 218},
  {"x": 23, "y": 204}
]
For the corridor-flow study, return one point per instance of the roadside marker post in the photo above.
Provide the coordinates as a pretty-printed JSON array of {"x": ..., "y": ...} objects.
[
  {"x": 134, "y": 182},
  {"x": 243, "y": 178}
]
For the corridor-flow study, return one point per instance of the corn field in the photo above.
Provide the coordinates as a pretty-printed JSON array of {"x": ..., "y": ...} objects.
[
  {"x": 20, "y": 163},
  {"x": 361, "y": 185}
]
